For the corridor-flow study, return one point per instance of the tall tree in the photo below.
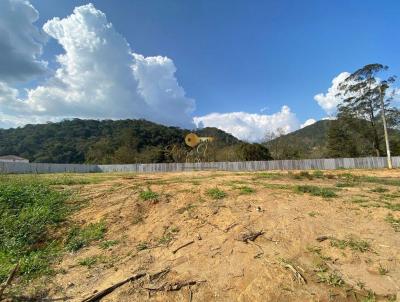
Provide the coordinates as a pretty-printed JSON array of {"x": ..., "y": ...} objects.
[
  {"x": 340, "y": 141},
  {"x": 365, "y": 98}
]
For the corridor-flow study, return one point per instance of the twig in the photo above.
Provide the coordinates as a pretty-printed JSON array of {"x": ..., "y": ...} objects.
[
  {"x": 190, "y": 294},
  {"x": 297, "y": 275},
  {"x": 157, "y": 276},
  {"x": 174, "y": 286},
  {"x": 9, "y": 279},
  {"x": 182, "y": 246},
  {"x": 96, "y": 297},
  {"x": 230, "y": 227}
]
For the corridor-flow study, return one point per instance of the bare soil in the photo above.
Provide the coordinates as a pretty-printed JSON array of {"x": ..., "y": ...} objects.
[{"x": 199, "y": 243}]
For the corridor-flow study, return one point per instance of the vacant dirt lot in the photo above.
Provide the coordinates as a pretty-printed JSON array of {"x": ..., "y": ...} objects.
[{"x": 218, "y": 236}]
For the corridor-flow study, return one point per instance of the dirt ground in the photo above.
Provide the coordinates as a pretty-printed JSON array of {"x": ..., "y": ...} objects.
[{"x": 255, "y": 239}]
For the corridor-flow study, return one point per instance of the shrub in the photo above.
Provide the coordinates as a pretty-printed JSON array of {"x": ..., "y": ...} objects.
[
  {"x": 316, "y": 191},
  {"x": 216, "y": 193},
  {"x": 148, "y": 195}
]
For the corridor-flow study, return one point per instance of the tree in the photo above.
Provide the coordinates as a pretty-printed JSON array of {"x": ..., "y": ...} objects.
[
  {"x": 340, "y": 142},
  {"x": 250, "y": 152},
  {"x": 364, "y": 99}
]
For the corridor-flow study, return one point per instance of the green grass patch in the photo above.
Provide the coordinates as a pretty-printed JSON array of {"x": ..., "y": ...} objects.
[
  {"x": 30, "y": 211},
  {"x": 394, "y": 222},
  {"x": 148, "y": 195},
  {"x": 379, "y": 190},
  {"x": 142, "y": 246},
  {"x": 353, "y": 243},
  {"x": 301, "y": 175},
  {"x": 108, "y": 243},
  {"x": 216, "y": 193},
  {"x": 277, "y": 186},
  {"x": 316, "y": 191},
  {"x": 344, "y": 184},
  {"x": 330, "y": 278},
  {"x": 268, "y": 175},
  {"x": 88, "y": 261},
  {"x": 246, "y": 190},
  {"x": 358, "y": 200},
  {"x": 318, "y": 174},
  {"x": 81, "y": 237}
]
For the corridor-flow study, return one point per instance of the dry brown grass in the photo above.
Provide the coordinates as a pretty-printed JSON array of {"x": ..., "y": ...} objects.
[{"x": 345, "y": 267}]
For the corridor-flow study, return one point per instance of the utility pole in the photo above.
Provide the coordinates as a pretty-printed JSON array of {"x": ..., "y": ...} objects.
[{"x": 389, "y": 158}]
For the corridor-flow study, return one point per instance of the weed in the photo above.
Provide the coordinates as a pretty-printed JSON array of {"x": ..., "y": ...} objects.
[
  {"x": 316, "y": 191},
  {"x": 313, "y": 214},
  {"x": 88, "y": 261},
  {"x": 395, "y": 195},
  {"x": 174, "y": 230},
  {"x": 30, "y": 210},
  {"x": 370, "y": 297},
  {"x": 381, "y": 180},
  {"x": 314, "y": 249},
  {"x": 216, "y": 193},
  {"x": 345, "y": 184},
  {"x": 137, "y": 219},
  {"x": 379, "y": 190},
  {"x": 108, "y": 243},
  {"x": 359, "y": 200},
  {"x": 187, "y": 208},
  {"x": 360, "y": 284},
  {"x": 277, "y": 186},
  {"x": 352, "y": 243},
  {"x": 301, "y": 175},
  {"x": 168, "y": 235},
  {"x": 395, "y": 222},
  {"x": 382, "y": 270},
  {"x": 148, "y": 195},
  {"x": 321, "y": 267},
  {"x": 318, "y": 174},
  {"x": 392, "y": 206},
  {"x": 332, "y": 279},
  {"x": 246, "y": 190},
  {"x": 142, "y": 246},
  {"x": 81, "y": 237},
  {"x": 306, "y": 174},
  {"x": 268, "y": 175}
]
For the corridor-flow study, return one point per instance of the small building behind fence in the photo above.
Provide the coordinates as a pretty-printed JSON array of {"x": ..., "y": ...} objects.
[{"x": 13, "y": 159}]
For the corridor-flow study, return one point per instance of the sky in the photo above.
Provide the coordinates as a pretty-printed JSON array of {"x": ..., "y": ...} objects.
[{"x": 245, "y": 67}]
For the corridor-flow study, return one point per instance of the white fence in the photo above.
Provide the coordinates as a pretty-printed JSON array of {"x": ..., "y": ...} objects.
[{"x": 302, "y": 164}]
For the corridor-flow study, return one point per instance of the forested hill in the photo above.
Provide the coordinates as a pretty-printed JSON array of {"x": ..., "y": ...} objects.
[
  {"x": 107, "y": 141},
  {"x": 308, "y": 142},
  {"x": 313, "y": 142}
]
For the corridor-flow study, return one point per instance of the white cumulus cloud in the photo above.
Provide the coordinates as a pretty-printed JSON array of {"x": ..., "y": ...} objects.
[
  {"x": 308, "y": 122},
  {"x": 329, "y": 101},
  {"x": 250, "y": 126},
  {"x": 99, "y": 76},
  {"x": 20, "y": 41}
]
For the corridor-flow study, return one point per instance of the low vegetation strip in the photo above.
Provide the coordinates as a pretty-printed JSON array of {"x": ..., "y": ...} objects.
[{"x": 30, "y": 210}]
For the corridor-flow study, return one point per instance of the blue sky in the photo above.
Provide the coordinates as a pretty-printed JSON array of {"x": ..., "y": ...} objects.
[{"x": 241, "y": 56}]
